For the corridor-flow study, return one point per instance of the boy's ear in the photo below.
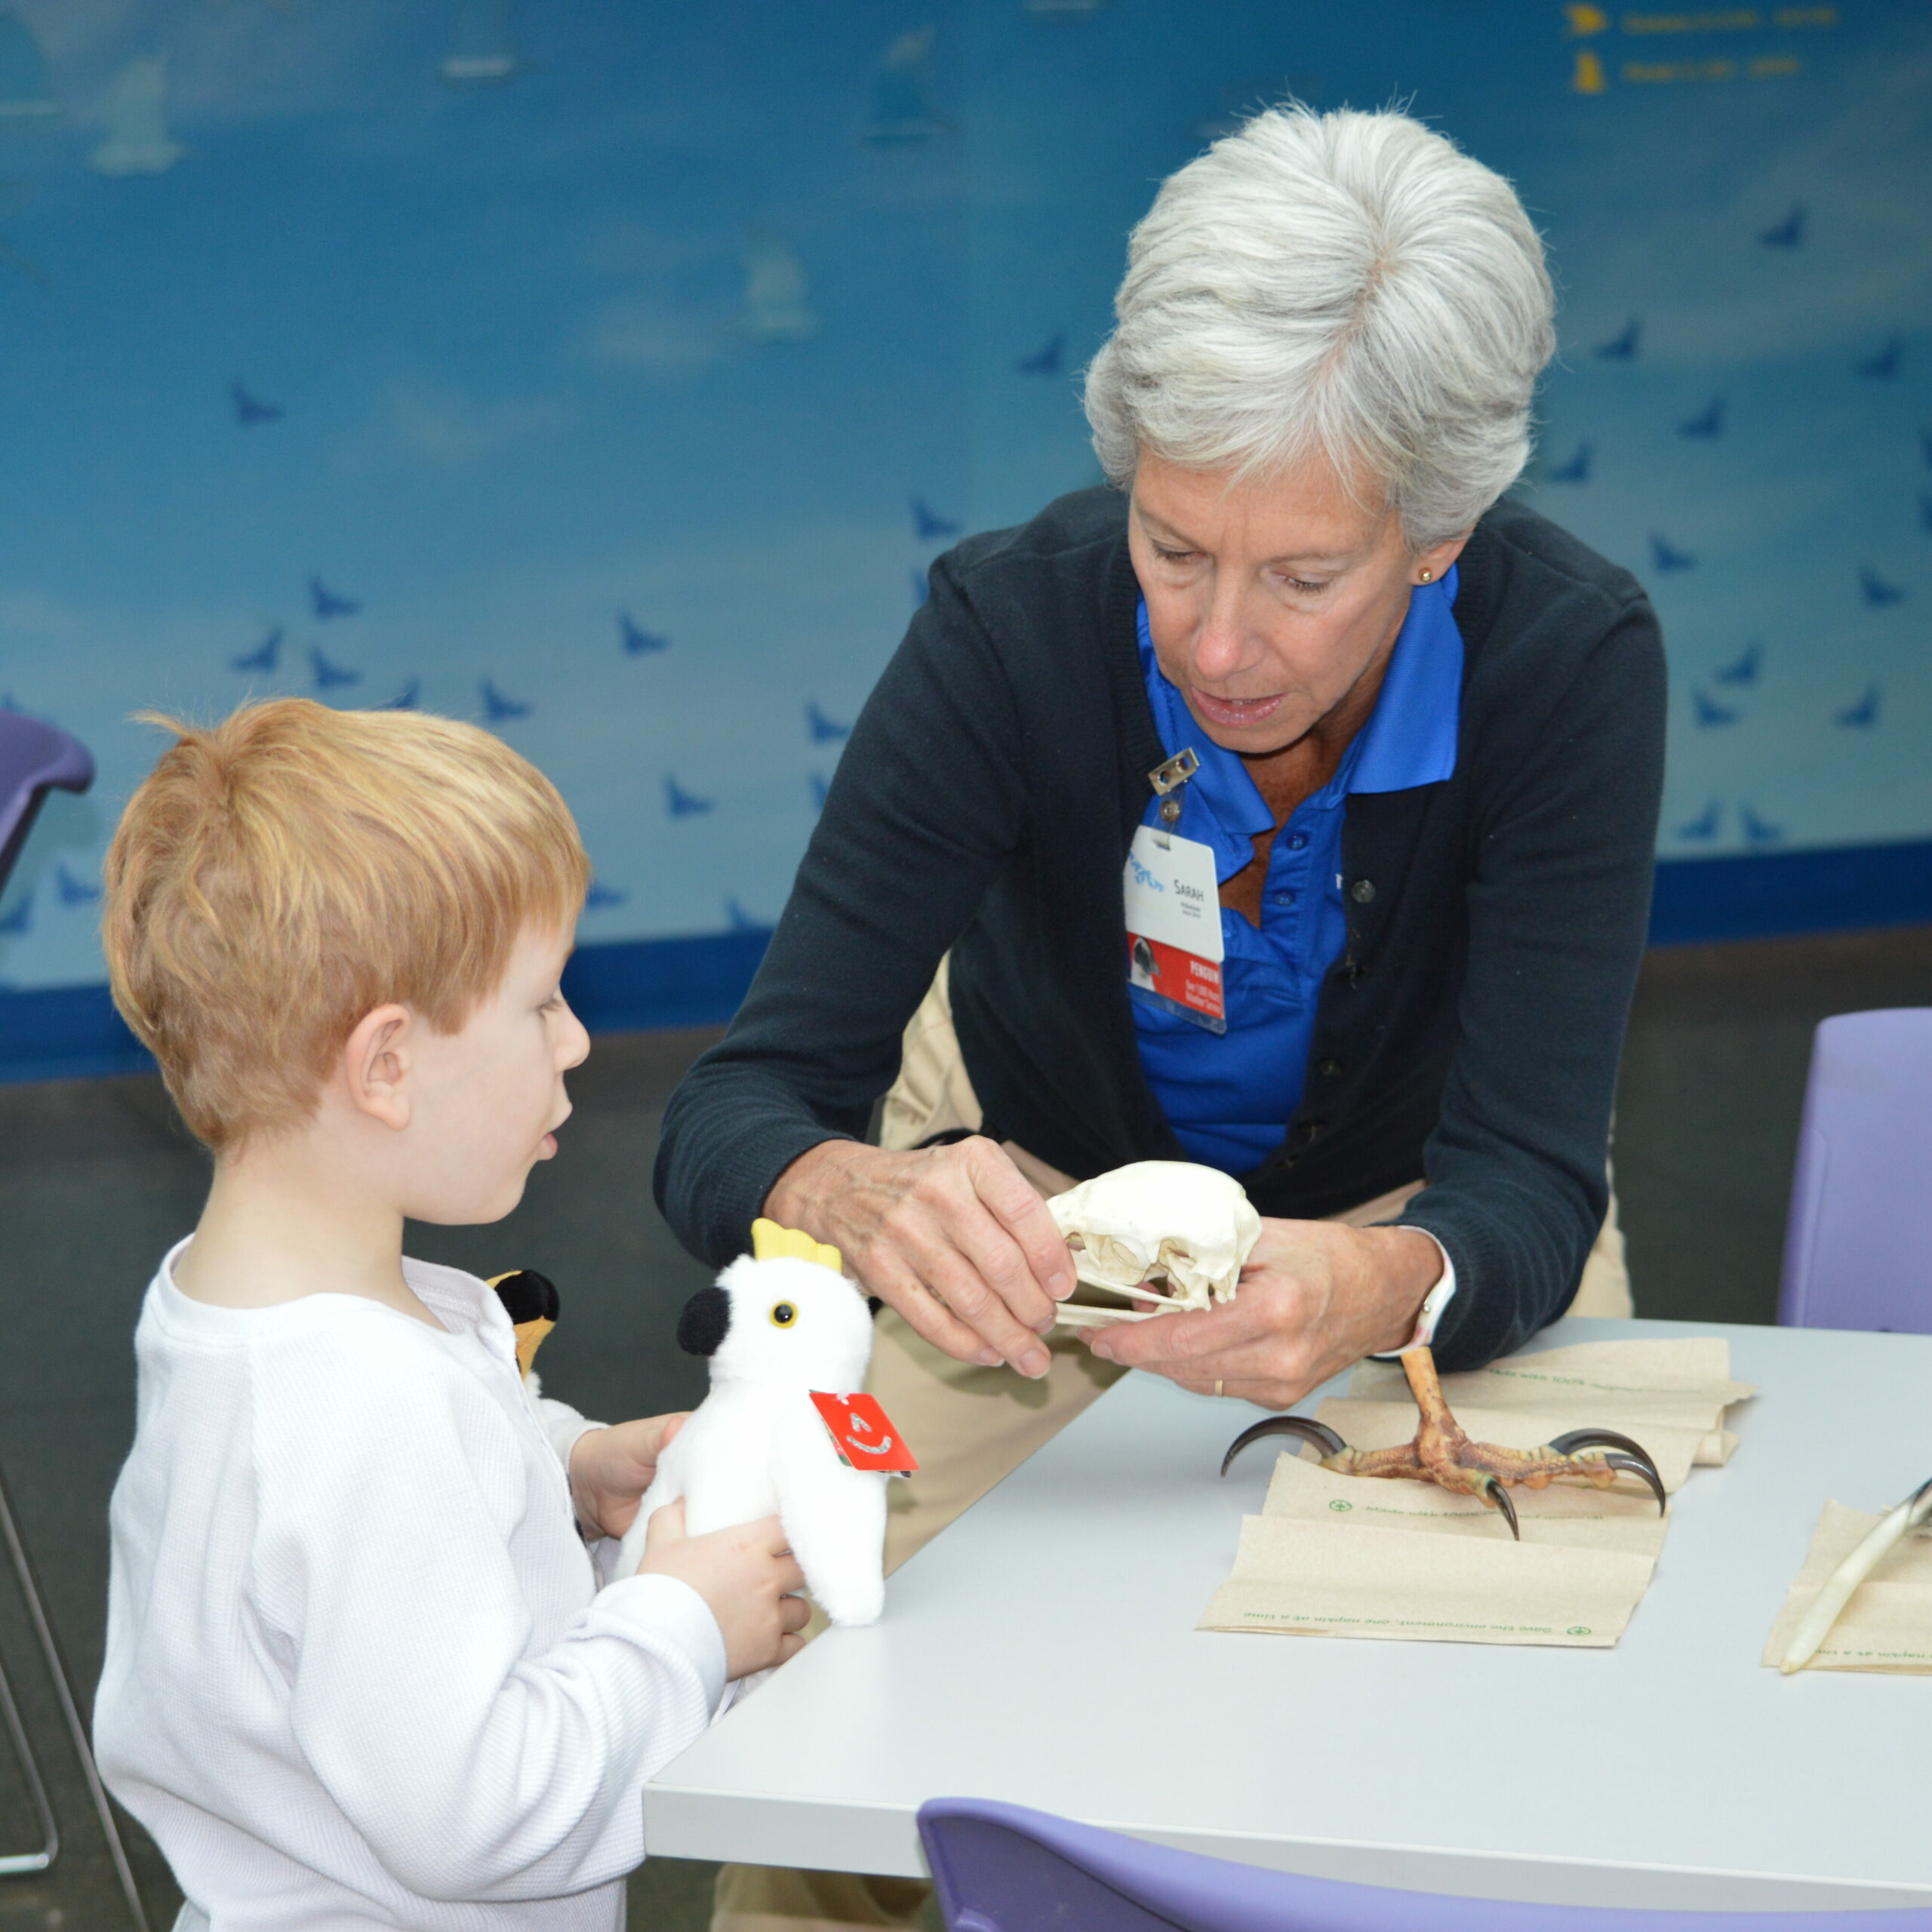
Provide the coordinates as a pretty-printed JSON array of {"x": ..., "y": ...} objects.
[{"x": 375, "y": 1063}]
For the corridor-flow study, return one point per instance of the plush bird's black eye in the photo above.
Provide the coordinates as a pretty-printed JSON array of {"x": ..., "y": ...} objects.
[{"x": 783, "y": 1315}]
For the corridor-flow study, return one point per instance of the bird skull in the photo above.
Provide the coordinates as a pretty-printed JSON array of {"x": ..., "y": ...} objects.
[{"x": 1192, "y": 1225}]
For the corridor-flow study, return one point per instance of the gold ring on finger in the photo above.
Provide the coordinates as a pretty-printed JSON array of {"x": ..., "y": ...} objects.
[{"x": 1217, "y": 1385}]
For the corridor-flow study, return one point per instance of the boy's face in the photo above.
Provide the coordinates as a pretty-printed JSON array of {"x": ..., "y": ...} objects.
[{"x": 486, "y": 1100}]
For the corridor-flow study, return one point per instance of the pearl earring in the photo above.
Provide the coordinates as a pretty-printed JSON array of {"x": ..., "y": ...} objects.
[{"x": 1428, "y": 576}]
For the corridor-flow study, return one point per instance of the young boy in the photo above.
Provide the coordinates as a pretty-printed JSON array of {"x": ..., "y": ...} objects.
[{"x": 359, "y": 1671}]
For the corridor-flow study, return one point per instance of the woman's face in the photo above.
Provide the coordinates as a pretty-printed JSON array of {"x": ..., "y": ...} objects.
[{"x": 1269, "y": 601}]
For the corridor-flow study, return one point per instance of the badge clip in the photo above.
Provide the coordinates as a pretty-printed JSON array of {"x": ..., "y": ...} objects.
[{"x": 1167, "y": 778}]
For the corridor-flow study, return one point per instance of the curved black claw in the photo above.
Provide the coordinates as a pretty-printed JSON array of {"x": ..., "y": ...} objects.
[
  {"x": 1636, "y": 1459},
  {"x": 1497, "y": 1497},
  {"x": 1643, "y": 1468},
  {"x": 1323, "y": 1438}
]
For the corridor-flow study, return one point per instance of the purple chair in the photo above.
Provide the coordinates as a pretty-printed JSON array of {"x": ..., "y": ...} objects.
[
  {"x": 1002, "y": 1868},
  {"x": 35, "y": 757},
  {"x": 1858, "y": 1246}
]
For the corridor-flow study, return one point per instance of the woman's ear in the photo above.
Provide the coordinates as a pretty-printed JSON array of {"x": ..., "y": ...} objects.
[
  {"x": 1432, "y": 565},
  {"x": 377, "y": 1064}
]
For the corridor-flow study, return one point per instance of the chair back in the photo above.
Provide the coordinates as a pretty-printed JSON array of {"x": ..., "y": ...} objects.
[
  {"x": 33, "y": 756},
  {"x": 1002, "y": 1868},
  {"x": 1858, "y": 1244}
]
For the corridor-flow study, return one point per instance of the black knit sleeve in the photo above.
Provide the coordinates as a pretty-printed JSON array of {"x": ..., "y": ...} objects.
[
  {"x": 926, "y": 805},
  {"x": 1558, "y": 905}
]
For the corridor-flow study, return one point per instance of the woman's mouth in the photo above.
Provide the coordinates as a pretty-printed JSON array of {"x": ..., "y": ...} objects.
[{"x": 1234, "y": 714}]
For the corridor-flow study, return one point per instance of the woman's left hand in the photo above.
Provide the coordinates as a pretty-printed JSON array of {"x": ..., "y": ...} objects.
[
  {"x": 611, "y": 1468},
  {"x": 1315, "y": 1297}
]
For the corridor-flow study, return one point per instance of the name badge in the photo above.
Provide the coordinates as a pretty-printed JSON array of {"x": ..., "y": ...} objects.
[{"x": 1174, "y": 926}]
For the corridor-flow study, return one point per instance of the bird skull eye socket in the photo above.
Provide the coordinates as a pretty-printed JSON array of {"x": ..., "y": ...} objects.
[{"x": 783, "y": 1315}]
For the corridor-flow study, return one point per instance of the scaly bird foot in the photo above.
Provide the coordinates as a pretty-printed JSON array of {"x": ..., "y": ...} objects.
[{"x": 1443, "y": 1454}]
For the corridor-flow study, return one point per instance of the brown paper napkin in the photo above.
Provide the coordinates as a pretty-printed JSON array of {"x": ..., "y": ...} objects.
[
  {"x": 1654, "y": 1391},
  {"x": 1339, "y": 1555},
  {"x": 1887, "y": 1625}
]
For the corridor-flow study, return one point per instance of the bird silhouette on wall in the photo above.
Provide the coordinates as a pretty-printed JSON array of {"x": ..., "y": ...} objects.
[
  {"x": 138, "y": 141},
  {"x": 742, "y": 921},
  {"x": 824, "y": 730},
  {"x": 681, "y": 804},
  {"x": 1742, "y": 670},
  {"x": 929, "y": 524},
  {"x": 1710, "y": 713},
  {"x": 1044, "y": 361},
  {"x": 1862, "y": 716},
  {"x": 637, "y": 641},
  {"x": 1885, "y": 364},
  {"x": 19, "y": 921},
  {"x": 73, "y": 891},
  {"x": 326, "y": 603},
  {"x": 1708, "y": 424},
  {"x": 1577, "y": 469},
  {"x": 498, "y": 708},
  {"x": 1788, "y": 233},
  {"x": 264, "y": 655},
  {"x": 1623, "y": 348},
  {"x": 600, "y": 895},
  {"x": 407, "y": 698},
  {"x": 250, "y": 409},
  {"x": 327, "y": 676},
  {"x": 1758, "y": 831},
  {"x": 1878, "y": 594},
  {"x": 1705, "y": 825},
  {"x": 1666, "y": 556}
]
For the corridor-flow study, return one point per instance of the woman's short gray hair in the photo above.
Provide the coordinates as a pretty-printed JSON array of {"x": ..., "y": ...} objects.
[{"x": 1347, "y": 284}]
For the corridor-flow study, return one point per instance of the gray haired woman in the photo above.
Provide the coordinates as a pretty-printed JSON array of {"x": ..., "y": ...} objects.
[{"x": 1303, "y": 658}]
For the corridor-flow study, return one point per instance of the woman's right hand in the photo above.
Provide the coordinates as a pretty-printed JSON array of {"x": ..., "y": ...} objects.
[{"x": 954, "y": 1237}]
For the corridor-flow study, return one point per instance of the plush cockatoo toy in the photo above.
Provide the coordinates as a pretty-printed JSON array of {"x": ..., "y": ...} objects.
[{"x": 782, "y": 1323}]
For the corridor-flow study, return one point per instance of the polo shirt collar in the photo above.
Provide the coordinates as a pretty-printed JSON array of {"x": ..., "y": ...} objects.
[{"x": 1409, "y": 739}]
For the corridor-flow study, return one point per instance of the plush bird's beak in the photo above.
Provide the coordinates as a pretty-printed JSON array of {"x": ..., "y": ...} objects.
[{"x": 531, "y": 1301}]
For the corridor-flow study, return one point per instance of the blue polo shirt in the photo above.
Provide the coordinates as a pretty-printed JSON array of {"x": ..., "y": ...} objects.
[{"x": 1229, "y": 1096}]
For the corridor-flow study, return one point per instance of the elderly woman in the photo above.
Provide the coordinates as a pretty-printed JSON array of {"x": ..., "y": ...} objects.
[{"x": 1428, "y": 729}]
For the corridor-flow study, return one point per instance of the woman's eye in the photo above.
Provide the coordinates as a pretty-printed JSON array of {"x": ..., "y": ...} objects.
[
  {"x": 1175, "y": 556},
  {"x": 1303, "y": 585},
  {"x": 783, "y": 1315}
]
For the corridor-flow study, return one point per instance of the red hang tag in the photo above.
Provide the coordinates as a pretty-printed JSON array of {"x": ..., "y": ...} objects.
[{"x": 863, "y": 1434}]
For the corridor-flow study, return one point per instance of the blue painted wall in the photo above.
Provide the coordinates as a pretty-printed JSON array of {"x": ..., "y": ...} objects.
[{"x": 610, "y": 373}]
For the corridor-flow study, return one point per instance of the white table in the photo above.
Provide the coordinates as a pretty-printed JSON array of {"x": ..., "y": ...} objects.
[{"x": 1042, "y": 1651}]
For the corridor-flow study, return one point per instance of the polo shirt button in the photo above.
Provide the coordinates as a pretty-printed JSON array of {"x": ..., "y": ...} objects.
[
  {"x": 1362, "y": 891},
  {"x": 1283, "y": 897},
  {"x": 1331, "y": 1069},
  {"x": 1297, "y": 841}
]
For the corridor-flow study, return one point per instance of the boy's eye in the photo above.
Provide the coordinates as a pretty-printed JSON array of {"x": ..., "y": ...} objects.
[{"x": 783, "y": 1315}]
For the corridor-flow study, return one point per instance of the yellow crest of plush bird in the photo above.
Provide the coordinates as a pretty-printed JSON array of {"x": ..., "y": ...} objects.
[{"x": 770, "y": 1242}]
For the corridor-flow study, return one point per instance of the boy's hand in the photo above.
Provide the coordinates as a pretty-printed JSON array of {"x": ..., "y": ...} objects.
[
  {"x": 611, "y": 1468},
  {"x": 745, "y": 1574}
]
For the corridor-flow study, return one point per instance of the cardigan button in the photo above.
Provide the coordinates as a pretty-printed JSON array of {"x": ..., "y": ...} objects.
[
  {"x": 1308, "y": 1130},
  {"x": 1330, "y": 1069},
  {"x": 1362, "y": 891}
]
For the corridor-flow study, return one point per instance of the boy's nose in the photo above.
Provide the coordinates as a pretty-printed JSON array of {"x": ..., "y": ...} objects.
[{"x": 575, "y": 1045}]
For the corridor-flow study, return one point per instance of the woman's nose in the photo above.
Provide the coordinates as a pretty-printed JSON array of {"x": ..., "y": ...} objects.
[{"x": 1219, "y": 649}]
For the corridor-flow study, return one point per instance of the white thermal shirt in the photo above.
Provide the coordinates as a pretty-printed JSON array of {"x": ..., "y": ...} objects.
[{"x": 360, "y": 1673}]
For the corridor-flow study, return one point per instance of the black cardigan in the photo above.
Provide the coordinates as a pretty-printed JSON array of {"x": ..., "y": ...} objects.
[{"x": 1469, "y": 1034}]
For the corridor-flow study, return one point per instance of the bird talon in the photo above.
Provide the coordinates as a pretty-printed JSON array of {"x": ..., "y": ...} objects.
[
  {"x": 1323, "y": 1438},
  {"x": 1493, "y": 1494}
]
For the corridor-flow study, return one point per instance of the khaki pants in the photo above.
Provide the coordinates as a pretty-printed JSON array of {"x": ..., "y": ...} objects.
[{"x": 973, "y": 1426}]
